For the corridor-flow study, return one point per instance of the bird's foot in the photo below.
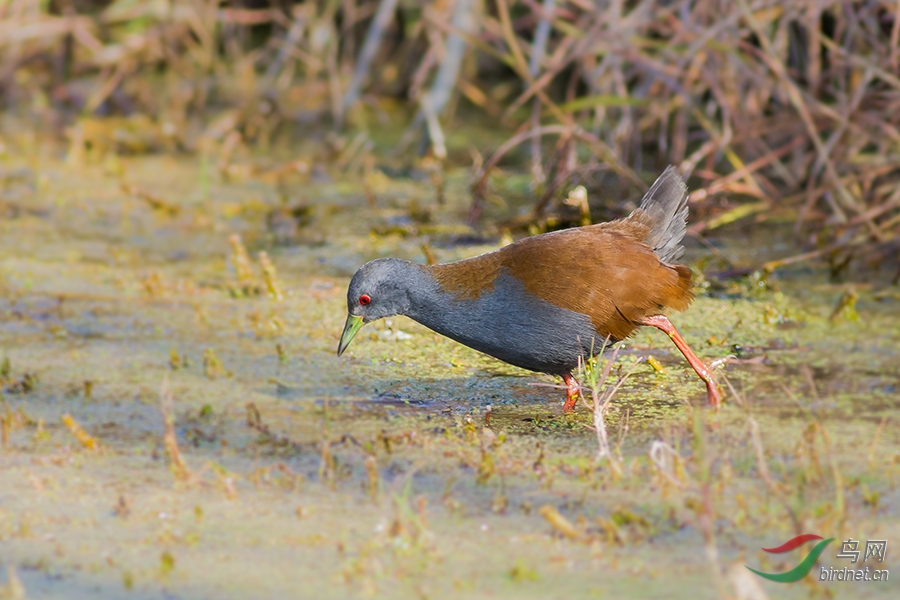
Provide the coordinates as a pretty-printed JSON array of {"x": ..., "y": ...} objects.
[
  {"x": 572, "y": 391},
  {"x": 713, "y": 392}
]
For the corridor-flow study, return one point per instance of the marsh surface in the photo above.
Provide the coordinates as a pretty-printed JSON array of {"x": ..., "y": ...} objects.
[{"x": 380, "y": 473}]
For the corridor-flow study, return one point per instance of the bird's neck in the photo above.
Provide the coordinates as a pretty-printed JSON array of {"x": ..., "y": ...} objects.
[{"x": 429, "y": 304}]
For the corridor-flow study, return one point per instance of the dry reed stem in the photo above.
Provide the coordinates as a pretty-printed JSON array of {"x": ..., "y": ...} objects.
[
  {"x": 14, "y": 590},
  {"x": 270, "y": 276},
  {"x": 664, "y": 457},
  {"x": 792, "y": 104},
  {"x": 241, "y": 260},
  {"x": 762, "y": 467},
  {"x": 601, "y": 397}
]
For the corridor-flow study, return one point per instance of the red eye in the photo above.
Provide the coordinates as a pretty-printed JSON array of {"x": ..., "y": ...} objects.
[{"x": 364, "y": 299}]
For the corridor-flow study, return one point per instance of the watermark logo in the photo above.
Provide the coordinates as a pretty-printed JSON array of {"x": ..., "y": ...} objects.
[
  {"x": 874, "y": 549},
  {"x": 805, "y": 566}
]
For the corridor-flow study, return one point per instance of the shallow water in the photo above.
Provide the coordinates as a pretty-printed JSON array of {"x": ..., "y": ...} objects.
[{"x": 412, "y": 466}]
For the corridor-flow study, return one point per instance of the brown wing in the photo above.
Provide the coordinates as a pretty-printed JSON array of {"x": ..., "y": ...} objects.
[{"x": 603, "y": 271}]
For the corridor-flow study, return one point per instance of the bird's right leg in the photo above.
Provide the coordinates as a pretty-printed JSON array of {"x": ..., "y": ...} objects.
[
  {"x": 572, "y": 391},
  {"x": 661, "y": 322}
]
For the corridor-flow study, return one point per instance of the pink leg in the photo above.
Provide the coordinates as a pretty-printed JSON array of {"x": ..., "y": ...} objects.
[
  {"x": 712, "y": 388},
  {"x": 571, "y": 393}
]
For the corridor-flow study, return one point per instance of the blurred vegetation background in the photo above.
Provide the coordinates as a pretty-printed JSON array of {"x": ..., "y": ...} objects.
[{"x": 779, "y": 111}]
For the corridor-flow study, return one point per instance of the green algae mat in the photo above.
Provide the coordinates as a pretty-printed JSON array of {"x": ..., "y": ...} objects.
[{"x": 176, "y": 424}]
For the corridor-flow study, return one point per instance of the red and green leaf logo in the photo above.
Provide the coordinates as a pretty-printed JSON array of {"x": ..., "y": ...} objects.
[{"x": 805, "y": 566}]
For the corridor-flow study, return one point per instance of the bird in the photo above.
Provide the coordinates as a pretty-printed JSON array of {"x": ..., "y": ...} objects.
[{"x": 545, "y": 302}]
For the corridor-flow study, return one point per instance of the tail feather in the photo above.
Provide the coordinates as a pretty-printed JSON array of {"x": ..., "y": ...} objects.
[{"x": 665, "y": 211}]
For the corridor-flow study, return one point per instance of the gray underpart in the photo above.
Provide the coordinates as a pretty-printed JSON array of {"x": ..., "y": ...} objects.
[{"x": 510, "y": 324}]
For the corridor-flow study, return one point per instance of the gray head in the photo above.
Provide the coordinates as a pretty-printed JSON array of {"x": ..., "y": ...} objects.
[{"x": 379, "y": 289}]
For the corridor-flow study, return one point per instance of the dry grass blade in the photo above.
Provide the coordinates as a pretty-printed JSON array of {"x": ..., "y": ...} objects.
[
  {"x": 561, "y": 524},
  {"x": 179, "y": 467},
  {"x": 79, "y": 433}
]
